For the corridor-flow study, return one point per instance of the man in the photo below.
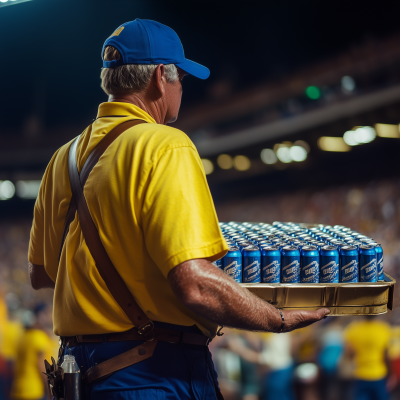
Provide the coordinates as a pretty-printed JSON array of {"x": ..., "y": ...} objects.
[
  {"x": 367, "y": 342},
  {"x": 149, "y": 200},
  {"x": 34, "y": 346}
]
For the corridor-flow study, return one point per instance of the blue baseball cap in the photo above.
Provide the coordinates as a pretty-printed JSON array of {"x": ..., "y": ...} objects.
[{"x": 143, "y": 41}]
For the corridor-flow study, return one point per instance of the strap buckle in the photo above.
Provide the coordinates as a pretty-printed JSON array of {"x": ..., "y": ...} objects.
[{"x": 146, "y": 329}]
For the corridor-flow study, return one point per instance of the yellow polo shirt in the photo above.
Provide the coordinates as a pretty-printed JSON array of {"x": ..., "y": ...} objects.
[
  {"x": 369, "y": 339},
  {"x": 34, "y": 347},
  {"x": 149, "y": 199}
]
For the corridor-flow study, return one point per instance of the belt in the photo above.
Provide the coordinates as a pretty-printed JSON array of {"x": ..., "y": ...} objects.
[
  {"x": 136, "y": 354},
  {"x": 162, "y": 334}
]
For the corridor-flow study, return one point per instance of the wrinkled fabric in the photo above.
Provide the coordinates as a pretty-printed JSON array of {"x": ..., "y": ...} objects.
[{"x": 176, "y": 371}]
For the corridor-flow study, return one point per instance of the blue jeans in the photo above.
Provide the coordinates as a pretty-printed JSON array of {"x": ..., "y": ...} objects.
[
  {"x": 370, "y": 390},
  {"x": 176, "y": 371}
]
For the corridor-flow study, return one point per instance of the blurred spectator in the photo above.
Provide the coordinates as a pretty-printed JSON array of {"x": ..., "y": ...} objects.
[
  {"x": 247, "y": 345},
  {"x": 367, "y": 341},
  {"x": 34, "y": 347},
  {"x": 277, "y": 356},
  {"x": 330, "y": 338},
  {"x": 10, "y": 334}
]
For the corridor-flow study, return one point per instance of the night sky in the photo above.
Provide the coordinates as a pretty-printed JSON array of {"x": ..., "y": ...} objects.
[{"x": 50, "y": 50}]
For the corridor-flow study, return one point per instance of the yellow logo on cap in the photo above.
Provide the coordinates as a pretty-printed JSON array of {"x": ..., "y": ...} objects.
[{"x": 118, "y": 31}]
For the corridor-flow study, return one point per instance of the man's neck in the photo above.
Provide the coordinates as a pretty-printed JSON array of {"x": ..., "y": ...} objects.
[{"x": 153, "y": 108}]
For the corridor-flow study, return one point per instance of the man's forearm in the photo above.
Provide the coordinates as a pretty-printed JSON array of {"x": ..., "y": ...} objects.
[
  {"x": 218, "y": 298},
  {"x": 209, "y": 292}
]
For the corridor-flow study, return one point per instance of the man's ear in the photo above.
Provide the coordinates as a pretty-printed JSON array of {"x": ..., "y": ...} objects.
[{"x": 159, "y": 80}]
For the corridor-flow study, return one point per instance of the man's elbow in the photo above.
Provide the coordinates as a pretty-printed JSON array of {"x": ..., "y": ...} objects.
[{"x": 185, "y": 288}]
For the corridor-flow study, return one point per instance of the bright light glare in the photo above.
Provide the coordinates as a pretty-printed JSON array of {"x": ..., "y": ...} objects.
[
  {"x": 268, "y": 156},
  {"x": 298, "y": 153},
  {"x": 363, "y": 134},
  {"x": 337, "y": 144},
  {"x": 27, "y": 189},
  {"x": 208, "y": 166},
  {"x": 225, "y": 161},
  {"x": 7, "y": 190},
  {"x": 387, "y": 131},
  {"x": 283, "y": 154},
  {"x": 241, "y": 163},
  {"x": 4, "y": 3},
  {"x": 348, "y": 137},
  {"x": 302, "y": 143},
  {"x": 348, "y": 84}
]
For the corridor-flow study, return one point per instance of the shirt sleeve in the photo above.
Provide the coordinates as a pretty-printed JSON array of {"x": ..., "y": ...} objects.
[
  {"x": 36, "y": 242},
  {"x": 178, "y": 214}
]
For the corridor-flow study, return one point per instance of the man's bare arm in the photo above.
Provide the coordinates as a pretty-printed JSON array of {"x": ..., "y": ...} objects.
[
  {"x": 206, "y": 290},
  {"x": 39, "y": 278}
]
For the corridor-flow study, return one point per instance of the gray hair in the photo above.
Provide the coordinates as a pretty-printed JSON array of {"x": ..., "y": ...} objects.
[{"x": 131, "y": 78}]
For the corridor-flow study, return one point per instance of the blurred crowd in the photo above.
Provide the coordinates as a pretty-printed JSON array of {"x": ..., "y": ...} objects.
[{"x": 339, "y": 358}]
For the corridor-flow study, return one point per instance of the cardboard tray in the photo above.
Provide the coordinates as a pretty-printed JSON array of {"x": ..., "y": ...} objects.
[{"x": 341, "y": 298}]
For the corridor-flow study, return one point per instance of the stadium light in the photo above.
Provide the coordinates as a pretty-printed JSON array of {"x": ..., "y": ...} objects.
[
  {"x": 283, "y": 154},
  {"x": 241, "y": 163},
  {"x": 5, "y": 3},
  {"x": 27, "y": 189},
  {"x": 268, "y": 156},
  {"x": 388, "y": 131},
  {"x": 208, "y": 166},
  {"x": 225, "y": 161},
  {"x": 348, "y": 84},
  {"x": 359, "y": 135},
  {"x": 7, "y": 190},
  {"x": 336, "y": 144},
  {"x": 298, "y": 153}
]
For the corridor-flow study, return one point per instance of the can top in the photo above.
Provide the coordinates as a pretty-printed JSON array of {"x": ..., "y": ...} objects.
[
  {"x": 349, "y": 247},
  {"x": 367, "y": 246},
  {"x": 311, "y": 248},
  {"x": 251, "y": 248},
  {"x": 233, "y": 248},
  {"x": 328, "y": 247},
  {"x": 290, "y": 248},
  {"x": 270, "y": 248}
]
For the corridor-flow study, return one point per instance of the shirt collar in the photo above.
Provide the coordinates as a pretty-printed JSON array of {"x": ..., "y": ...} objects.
[{"x": 112, "y": 108}]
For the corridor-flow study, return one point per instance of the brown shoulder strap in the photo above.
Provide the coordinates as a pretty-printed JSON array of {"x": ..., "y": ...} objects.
[{"x": 111, "y": 277}]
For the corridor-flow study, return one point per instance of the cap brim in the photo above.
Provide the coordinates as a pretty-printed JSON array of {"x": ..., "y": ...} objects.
[{"x": 195, "y": 69}]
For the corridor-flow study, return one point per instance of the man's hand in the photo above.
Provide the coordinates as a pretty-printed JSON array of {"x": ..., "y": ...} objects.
[
  {"x": 296, "y": 319},
  {"x": 207, "y": 291},
  {"x": 39, "y": 278}
]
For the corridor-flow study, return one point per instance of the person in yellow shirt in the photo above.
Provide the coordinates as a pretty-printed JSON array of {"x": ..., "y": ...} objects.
[
  {"x": 34, "y": 346},
  {"x": 150, "y": 214},
  {"x": 367, "y": 341}
]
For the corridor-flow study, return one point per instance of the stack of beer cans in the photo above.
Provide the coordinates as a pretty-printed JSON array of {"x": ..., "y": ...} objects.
[{"x": 299, "y": 253}]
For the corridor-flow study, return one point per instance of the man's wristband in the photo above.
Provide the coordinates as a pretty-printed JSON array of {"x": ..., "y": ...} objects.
[{"x": 283, "y": 320}]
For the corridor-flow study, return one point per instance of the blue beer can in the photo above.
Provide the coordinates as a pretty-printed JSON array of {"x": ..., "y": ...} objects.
[
  {"x": 271, "y": 264},
  {"x": 251, "y": 264},
  {"x": 349, "y": 264},
  {"x": 379, "y": 261},
  {"x": 290, "y": 265},
  {"x": 309, "y": 265},
  {"x": 232, "y": 264},
  {"x": 218, "y": 263},
  {"x": 368, "y": 268},
  {"x": 329, "y": 265}
]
